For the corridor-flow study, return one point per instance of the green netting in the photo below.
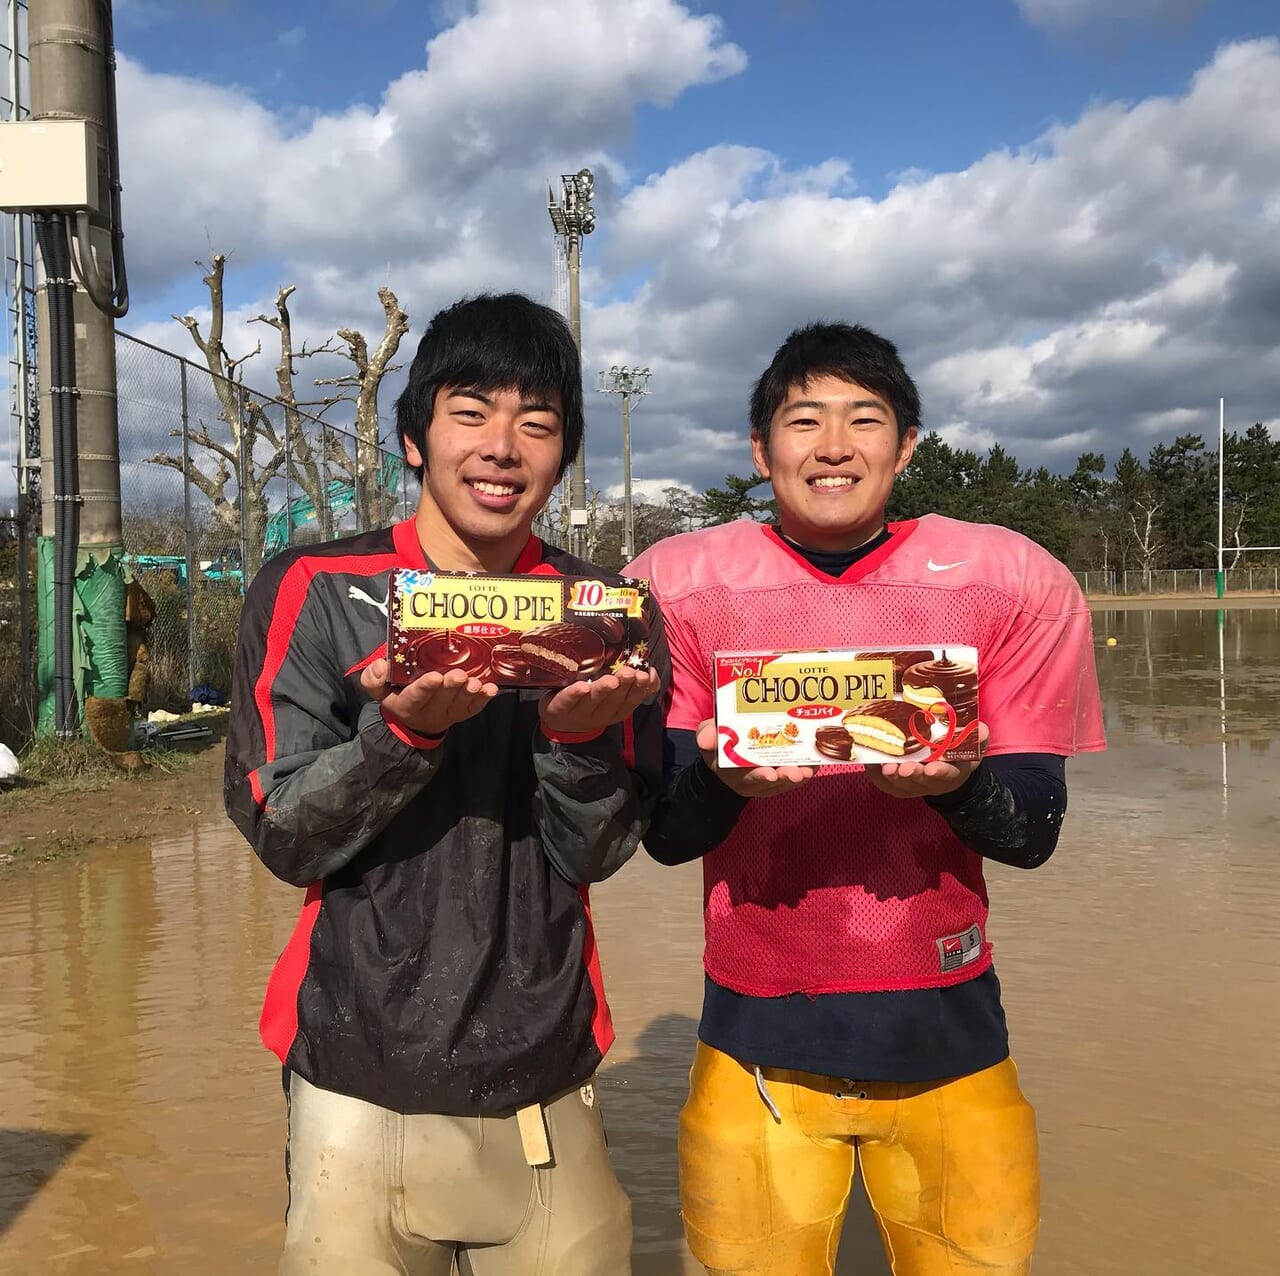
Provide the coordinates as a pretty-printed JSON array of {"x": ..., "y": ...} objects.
[{"x": 100, "y": 653}]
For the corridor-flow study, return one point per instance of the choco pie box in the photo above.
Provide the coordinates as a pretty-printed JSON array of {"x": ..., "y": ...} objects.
[
  {"x": 869, "y": 704},
  {"x": 516, "y": 631}
]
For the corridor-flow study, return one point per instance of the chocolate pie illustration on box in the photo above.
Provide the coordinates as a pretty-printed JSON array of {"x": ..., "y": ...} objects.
[
  {"x": 866, "y": 705},
  {"x": 517, "y": 631}
]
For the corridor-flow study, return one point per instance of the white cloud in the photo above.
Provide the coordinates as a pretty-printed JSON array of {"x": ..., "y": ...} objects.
[
  {"x": 1114, "y": 273},
  {"x": 1075, "y": 15},
  {"x": 1104, "y": 282},
  {"x": 441, "y": 172},
  {"x": 651, "y": 490}
]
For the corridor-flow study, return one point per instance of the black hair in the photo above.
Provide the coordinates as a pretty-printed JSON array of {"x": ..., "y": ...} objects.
[
  {"x": 848, "y": 351},
  {"x": 506, "y": 342}
]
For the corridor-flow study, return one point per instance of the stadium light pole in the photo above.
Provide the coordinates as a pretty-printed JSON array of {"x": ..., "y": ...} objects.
[
  {"x": 572, "y": 217},
  {"x": 629, "y": 383}
]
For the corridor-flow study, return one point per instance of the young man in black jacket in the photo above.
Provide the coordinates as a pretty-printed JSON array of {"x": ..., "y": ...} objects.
[{"x": 439, "y": 1009}]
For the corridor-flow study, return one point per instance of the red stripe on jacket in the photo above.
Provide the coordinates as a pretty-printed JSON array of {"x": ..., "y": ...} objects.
[
  {"x": 294, "y": 586},
  {"x": 278, "y": 1025},
  {"x": 602, "y": 1020}
]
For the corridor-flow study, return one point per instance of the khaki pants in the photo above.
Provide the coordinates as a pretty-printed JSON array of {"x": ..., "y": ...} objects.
[
  {"x": 768, "y": 1159},
  {"x": 374, "y": 1193}
]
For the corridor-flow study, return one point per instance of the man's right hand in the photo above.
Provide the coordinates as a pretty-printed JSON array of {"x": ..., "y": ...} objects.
[
  {"x": 761, "y": 781},
  {"x": 432, "y": 703}
]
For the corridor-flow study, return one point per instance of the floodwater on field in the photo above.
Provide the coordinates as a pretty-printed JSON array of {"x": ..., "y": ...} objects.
[{"x": 141, "y": 1124}]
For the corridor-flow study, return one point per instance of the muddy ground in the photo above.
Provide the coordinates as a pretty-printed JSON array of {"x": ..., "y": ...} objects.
[
  {"x": 47, "y": 821},
  {"x": 142, "y": 1123}
]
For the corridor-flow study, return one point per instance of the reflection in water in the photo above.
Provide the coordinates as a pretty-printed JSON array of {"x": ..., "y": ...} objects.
[
  {"x": 128, "y": 984},
  {"x": 142, "y": 1125},
  {"x": 1222, "y": 696},
  {"x": 1166, "y": 675}
]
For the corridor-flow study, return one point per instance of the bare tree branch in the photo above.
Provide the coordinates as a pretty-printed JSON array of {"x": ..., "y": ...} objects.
[
  {"x": 1148, "y": 545},
  {"x": 233, "y": 365},
  {"x": 214, "y": 487},
  {"x": 257, "y": 443},
  {"x": 1236, "y": 530},
  {"x": 327, "y": 347},
  {"x": 203, "y": 438}
]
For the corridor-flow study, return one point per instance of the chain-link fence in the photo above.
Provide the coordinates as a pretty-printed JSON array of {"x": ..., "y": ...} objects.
[
  {"x": 1184, "y": 580},
  {"x": 215, "y": 479}
]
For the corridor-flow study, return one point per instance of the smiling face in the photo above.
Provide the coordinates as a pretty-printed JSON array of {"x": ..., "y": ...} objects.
[
  {"x": 832, "y": 454},
  {"x": 492, "y": 459}
]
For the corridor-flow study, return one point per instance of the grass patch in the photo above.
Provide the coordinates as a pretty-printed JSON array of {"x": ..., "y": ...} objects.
[
  {"x": 52, "y": 767},
  {"x": 74, "y": 763}
]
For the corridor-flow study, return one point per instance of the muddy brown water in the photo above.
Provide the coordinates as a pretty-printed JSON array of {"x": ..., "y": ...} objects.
[{"x": 141, "y": 1123}]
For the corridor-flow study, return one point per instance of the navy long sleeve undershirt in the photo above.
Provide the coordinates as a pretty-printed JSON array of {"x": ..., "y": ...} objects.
[{"x": 1010, "y": 809}]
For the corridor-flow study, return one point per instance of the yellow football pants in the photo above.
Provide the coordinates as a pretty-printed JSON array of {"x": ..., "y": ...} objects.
[{"x": 767, "y": 1161}]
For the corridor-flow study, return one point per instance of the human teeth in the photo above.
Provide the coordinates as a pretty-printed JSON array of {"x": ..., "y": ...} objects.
[
  {"x": 832, "y": 482},
  {"x": 494, "y": 489}
]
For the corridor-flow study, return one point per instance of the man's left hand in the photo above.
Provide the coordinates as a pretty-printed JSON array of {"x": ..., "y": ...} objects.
[
  {"x": 585, "y": 707},
  {"x": 924, "y": 779}
]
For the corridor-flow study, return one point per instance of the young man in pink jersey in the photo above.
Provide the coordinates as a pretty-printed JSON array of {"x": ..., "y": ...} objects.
[{"x": 839, "y": 1028}]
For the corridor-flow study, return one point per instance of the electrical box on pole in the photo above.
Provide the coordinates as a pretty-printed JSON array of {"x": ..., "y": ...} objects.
[{"x": 47, "y": 164}]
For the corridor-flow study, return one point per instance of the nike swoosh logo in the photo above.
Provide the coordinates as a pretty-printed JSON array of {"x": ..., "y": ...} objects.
[{"x": 944, "y": 567}]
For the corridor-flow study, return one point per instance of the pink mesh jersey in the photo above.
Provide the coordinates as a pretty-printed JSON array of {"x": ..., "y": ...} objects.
[{"x": 837, "y": 887}]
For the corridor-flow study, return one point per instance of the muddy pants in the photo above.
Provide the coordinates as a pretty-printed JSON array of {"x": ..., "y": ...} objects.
[
  {"x": 768, "y": 1158},
  {"x": 374, "y": 1193}
]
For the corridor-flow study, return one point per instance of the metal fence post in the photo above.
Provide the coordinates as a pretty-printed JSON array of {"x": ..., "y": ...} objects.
[
  {"x": 326, "y": 510},
  {"x": 288, "y": 500},
  {"x": 243, "y": 494},
  {"x": 187, "y": 548},
  {"x": 358, "y": 494}
]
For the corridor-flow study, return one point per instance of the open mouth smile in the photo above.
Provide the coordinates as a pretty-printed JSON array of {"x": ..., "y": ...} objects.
[{"x": 500, "y": 495}]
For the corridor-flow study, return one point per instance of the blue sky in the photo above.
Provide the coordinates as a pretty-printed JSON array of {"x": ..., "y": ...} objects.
[
  {"x": 929, "y": 84},
  {"x": 1063, "y": 210}
]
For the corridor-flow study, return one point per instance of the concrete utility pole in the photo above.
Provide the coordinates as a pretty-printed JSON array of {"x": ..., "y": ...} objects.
[
  {"x": 82, "y": 290},
  {"x": 630, "y": 383},
  {"x": 68, "y": 50},
  {"x": 571, "y": 218}
]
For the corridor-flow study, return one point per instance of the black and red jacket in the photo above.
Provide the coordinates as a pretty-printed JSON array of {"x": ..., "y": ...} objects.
[{"x": 444, "y": 960}]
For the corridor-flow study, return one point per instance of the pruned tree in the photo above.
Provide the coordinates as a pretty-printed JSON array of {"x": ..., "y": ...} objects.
[
  {"x": 212, "y": 462},
  {"x": 258, "y": 449},
  {"x": 360, "y": 388},
  {"x": 1237, "y": 527},
  {"x": 304, "y": 460},
  {"x": 1144, "y": 532}
]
